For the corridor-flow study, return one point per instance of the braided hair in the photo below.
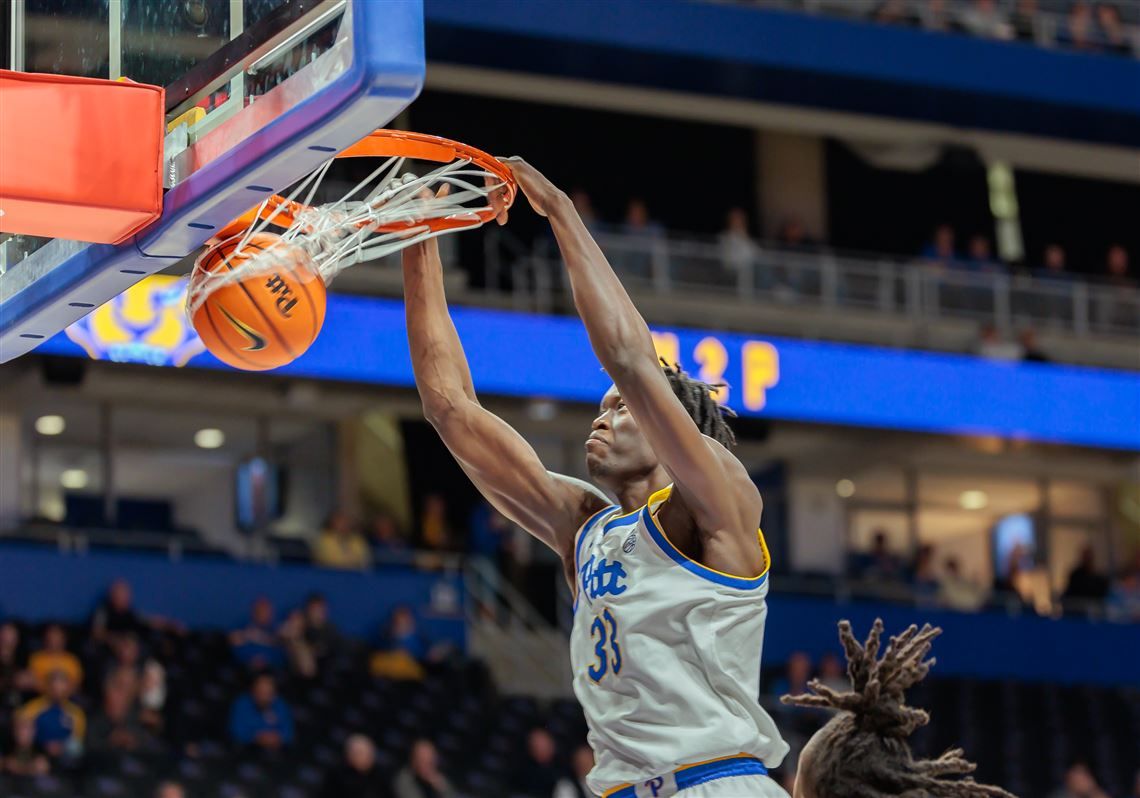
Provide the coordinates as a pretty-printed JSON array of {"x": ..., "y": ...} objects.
[
  {"x": 863, "y": 751},
  {"x": 697, "y": 398}
]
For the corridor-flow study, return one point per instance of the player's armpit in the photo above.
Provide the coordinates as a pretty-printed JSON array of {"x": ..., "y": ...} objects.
[{"x": 507, "y": 471}]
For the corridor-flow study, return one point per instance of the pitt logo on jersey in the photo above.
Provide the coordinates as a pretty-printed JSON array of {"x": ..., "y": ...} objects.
[{"x": 601, "y": 578}]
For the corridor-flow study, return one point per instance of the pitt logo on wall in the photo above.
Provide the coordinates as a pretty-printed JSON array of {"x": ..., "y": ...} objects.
[{"x": 145, "y": 324}]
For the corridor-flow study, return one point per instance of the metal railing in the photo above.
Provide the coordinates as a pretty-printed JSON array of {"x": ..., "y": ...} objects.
[{"x": 743, "y": 272}]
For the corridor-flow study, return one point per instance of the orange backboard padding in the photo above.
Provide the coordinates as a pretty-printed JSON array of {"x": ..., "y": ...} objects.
[{"x": 80, "y": 158}]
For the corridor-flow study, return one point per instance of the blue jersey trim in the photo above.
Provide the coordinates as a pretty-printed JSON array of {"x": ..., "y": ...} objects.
[
  {"x": 582, "y": 533},
  {"x": 693, "y": 775},
  {"x": 712, "y": 575}
]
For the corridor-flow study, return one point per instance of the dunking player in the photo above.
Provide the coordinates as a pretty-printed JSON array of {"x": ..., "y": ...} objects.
[{"x": 670, "y": 581}]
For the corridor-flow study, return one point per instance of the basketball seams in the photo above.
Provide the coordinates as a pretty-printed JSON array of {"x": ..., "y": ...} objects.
[
  {"x": 221, "y": 340},
  {"x": 265, "y": 316},
  {"x": 309, "y": 301}
]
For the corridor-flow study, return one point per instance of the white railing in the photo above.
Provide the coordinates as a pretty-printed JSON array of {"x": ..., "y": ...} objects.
[{"x": 909, "y": 289}]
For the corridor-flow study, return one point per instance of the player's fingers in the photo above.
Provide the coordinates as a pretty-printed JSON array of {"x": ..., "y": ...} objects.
[{"x": 443, "y": 191}]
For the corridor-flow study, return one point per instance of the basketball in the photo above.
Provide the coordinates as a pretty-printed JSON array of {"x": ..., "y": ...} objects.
[{"x": 263, "y": 321}]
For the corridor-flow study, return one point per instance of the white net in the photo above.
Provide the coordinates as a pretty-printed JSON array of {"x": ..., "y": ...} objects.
[{"x": 399, "y": 209}]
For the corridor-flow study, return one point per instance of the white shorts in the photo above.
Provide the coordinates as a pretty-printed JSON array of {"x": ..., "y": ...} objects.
[{"x": 736, "y": 787}]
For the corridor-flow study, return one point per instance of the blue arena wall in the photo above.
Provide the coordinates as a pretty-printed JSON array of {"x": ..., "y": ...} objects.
[
  {"x": 742, "y": 52},
  {"x": 38, "y": 584}
]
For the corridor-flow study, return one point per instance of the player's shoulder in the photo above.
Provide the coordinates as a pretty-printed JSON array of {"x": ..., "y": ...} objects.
[{"x": 737, "y": 474}]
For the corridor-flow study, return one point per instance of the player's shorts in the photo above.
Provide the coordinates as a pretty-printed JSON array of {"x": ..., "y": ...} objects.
[{"x": 731, "y": 777}]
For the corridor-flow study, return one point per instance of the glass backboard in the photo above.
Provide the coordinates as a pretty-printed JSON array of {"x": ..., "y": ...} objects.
[{"x": 258, "y": 94}]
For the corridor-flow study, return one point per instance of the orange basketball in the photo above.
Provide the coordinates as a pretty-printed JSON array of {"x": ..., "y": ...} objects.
[{"x": 267, "y": 319}]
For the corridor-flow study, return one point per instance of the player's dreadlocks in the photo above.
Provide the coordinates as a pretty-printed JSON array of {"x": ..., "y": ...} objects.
[
  {"x": 697, "y": 397},
  {"x": 863, "y": 752}
]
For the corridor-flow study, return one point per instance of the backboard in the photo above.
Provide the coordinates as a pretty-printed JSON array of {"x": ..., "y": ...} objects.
[{"x": 258, "y": 94}]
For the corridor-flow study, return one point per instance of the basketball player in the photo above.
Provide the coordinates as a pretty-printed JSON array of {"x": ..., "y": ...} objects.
[
  {"x": 862, "y": 752},
  {"x": 670, "y": 576}
]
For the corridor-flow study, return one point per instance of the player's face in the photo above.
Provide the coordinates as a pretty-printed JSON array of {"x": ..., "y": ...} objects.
[{"x": 616, "y": 451}]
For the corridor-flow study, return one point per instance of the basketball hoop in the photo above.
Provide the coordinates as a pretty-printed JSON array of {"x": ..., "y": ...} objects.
[{"x": 400, "y": 209}]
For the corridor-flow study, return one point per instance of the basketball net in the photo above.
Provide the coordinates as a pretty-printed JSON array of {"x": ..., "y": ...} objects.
[{"x": 398, "y": 211}]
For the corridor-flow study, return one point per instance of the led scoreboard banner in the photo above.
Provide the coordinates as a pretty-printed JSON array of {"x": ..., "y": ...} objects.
[{"x": 519, "y": 354}]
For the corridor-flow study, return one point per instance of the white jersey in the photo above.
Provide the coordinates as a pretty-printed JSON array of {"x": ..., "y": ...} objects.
[{"x": 665, "y": 653}]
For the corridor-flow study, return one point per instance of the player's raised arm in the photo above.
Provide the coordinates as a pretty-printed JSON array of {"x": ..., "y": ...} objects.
[
  {"x": 498, "y": 460},
  {"x": 712, "y": 483}
]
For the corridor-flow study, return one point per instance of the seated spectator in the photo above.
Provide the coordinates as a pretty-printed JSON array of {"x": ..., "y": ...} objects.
[
  {"x": 645, "y": 237},
  {"x": 260, "y": 718},
  {"x": 384, "y": 537},
  {"x": 832, "y": 672},
  {"x": 1085, "y": 583},
  {"x": 585, "y": 207},
  {"x": 126, "y": 664},
  {"x": 339, "y": 545},
  {"x": 737, "y": 247},
  {"x": 986, "y": 19},
  {"x": 1053, "y": 264},
  {"x": 14, "y": 679},
  {"x": 116, "y": 615},
  {"x": 24, "y": 759},
  {"x": 54, "y": 656},
  {"x": 1116, "y": 267},
  {"x": 981, "y": 258},
  {"x": 940, "y": 251},
  {"x": 895, "y": 12},
  {"x": 936, "y": 18},
  {"x": 152, "y": 697},
  {"x": 793, "y": 236},
  {"x": 1010, "y": 584},
  {"x": 1124, "y": 597},
  {"x": 435, "y": 531},
  {"x": 923, "y": 580},
  {"x": 1079, "y": 783},
  {"x": 537, "y": 775},
  {"x": 421, "y": 777},
  {"x": 257, "y": 645},
  {"x": 880, "y": 563},
  {"x": 1079, "y": 30},
  {"x": 1110, "y": 29},
  {"x": 117, "y": 728},
  {"x": 359, "y": 776},
  {"x": 574, "y": 786},
  {"x": 956, "y": 591},
  {"x": 60, "y": 725},
  {"x": 302, "y": 660},
  {"x": 993, "y": 346},
  {"x": 1023, "y": 23},
  {"x": 405, "y": 649},
  {"x": 1031, "y": 350},
  {"x": 321, "y": 635}
]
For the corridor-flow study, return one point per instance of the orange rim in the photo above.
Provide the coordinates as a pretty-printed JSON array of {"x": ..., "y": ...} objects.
[{"x": 387, "y": 144}]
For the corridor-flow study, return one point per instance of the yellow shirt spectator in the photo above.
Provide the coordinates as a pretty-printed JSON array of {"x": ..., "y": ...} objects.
[
  {"x": 340, "y": 546},
  {"x": 55, "y": 657}
]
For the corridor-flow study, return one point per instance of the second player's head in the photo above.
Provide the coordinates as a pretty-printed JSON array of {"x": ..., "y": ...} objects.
[{"x": 618, "y": 453}]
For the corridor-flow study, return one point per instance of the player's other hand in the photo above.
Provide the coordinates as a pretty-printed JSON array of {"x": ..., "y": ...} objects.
[{"x": 539, "y": 191}]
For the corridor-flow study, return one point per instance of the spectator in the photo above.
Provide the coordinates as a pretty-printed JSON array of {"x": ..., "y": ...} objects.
[
  {"x": 645, "y": 241},
  {"x": 538, "y": 774},
  {"x": 118, "y": 728},
  {"x": 258, "y": 646},
  {"x": 54, "y": 656},
  {"x": 797, "y": 673},
  {"x": 574, "y": 785},
  {"x": 260, "y": 718},
  {"x": 794, "y": 237},
  {"x": 14, "y": 680},
  {"x": 385, "y": 537},
  {"x": 339, "y": 545},
  {"x": 1085, "y": 584},
  {"x": 924, "y": 582},
  {"x": 880, "y": 563},
  {"x": 24, "y": 758},
  {"x": 422, "y": 778},
  {"x": 405, "y": 649},
  {"x": 1124, "y": 598},
  {"x": 1009, "y": 585},
  {"x": 1111, "y": 30},
  {"x": 940, "y": 251},
  {"x": 152, "y": 696},
  {"x": 936, "y": 18},
  {"x": 984, "y": 18},
  {"x": 302, "y": 660},
  {"x": 1079, "y": 783},
  {"x": 170, "y": 789},
  {"x": 126, "y": 665},
  {"x": 1053, "y": 264},
  {"x": 1079, "y": 31},
  {"x": 1030, "y": 349},
  {"x": 832, "y": 673},
  {"x": 956, "y": 591},
  {"x": 992, "y": 346},
  {"x": 585, "y": 208},
  {"x": 1024, "y": 21},
  {"x": 738, "y": 249},
  {"x": 320, "y": 634},
  {"x": 116, "y": 614},
  {"x": 435, "y": 532},
  {"x": 981, "y": 257},
  {"x": 1116, "y": 267},
  {"x": 359, "y": 776},
  {"x": 894, "y": 12},
  {"x": 60, "y": 725}
]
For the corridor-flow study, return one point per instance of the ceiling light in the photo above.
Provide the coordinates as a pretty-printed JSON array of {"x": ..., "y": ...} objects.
[
  {"x": 73, "y": 479},
  {"x": 845, "y": 488},
  {"x": 973, "y": 500},
  {"x": 209, "y": 438},
  {"x": 50, "y": 425}
]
